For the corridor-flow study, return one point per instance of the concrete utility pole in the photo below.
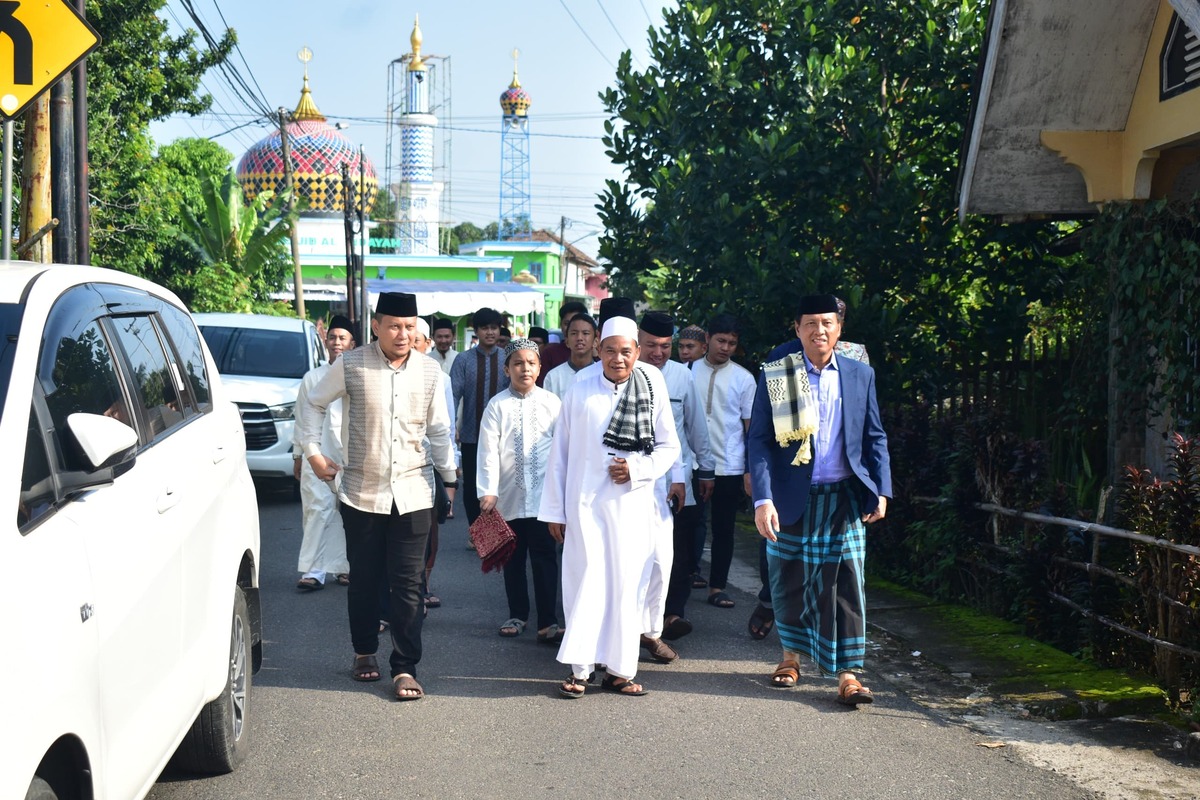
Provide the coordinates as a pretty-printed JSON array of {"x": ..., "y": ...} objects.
[
  {"x": 291, "y": 204},
  {"x": 35, "y": 182},
  {"x": 363, "y": 247}
]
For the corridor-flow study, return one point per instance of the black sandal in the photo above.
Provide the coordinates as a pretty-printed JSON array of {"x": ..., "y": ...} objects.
[
  {"x": 720, "y": 600},
  {"x": 573, "y": 688},
  {"x": 762, "y": 622},
  {"x": 621, "y": 686},
  {"x": 364, "y": 667}
]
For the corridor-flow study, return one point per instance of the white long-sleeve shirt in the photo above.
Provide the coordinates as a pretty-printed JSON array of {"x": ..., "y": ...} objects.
[
  {"x": 727, "y": 393},
  {"x": 695, "y": 453},
  {"x": 515, "y": 434}
]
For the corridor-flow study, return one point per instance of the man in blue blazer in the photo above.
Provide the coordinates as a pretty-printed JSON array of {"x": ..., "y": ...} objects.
[{"x": 819, "y": 471}]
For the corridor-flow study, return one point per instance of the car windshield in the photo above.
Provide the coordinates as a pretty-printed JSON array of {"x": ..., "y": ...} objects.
[
  {"x": 257, "y": 352},
  {"x": 10, "y": 324}
]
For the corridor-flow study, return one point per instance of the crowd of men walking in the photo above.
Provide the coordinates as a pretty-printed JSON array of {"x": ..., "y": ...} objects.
[{"x": 612, "y": 464}]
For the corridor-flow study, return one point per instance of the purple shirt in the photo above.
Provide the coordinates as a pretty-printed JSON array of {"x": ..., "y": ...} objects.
[{"x": 829, "y": 446}]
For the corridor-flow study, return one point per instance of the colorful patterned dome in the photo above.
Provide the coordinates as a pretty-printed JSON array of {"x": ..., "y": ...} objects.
[
  {"x": 515, "y": 101},
  {"x": 318, "y": 151}
]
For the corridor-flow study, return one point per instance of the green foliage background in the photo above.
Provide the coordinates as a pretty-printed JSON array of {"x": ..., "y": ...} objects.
[{"x": 775, "y": 148}]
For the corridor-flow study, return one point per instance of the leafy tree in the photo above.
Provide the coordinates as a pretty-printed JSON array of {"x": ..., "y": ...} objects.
[
  {"x": 139, "y": 74},
  {"x": 777, "y": 147},
  {"x": 175, "y": 181},
  {"x": 465, "y": 232},
  {"x": 239, "y": 247}
]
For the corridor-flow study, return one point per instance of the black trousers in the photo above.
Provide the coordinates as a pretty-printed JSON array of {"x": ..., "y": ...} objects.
[
  {"x": 725, "y": 501},
  {"x": 534, "y": 540},
  {"x": 679, "y": 588},
  {"x": 387, "y": 547},
  {"x": 470, "y": 468}
]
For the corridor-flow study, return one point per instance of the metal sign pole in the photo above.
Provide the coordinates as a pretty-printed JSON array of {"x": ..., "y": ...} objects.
[{"x": 6, "y": 215}]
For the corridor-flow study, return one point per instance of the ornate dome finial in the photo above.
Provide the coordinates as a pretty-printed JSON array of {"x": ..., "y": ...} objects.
[
  {"x": 306, "y": 109},
  {"x": 417, "y": 64},
  {"x": 515, "y": 101}
]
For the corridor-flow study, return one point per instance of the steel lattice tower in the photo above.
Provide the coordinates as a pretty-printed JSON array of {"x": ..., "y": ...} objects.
[{"x": 515, "y": 208}]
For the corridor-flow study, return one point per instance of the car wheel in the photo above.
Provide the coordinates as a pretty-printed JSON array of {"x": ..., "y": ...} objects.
[
  {"x": 219, "y": 737},
  {"x": 40, "y": 790}
]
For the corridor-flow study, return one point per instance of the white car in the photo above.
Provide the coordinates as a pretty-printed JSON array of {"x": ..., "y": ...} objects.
[
  {"x": 262, "y": 360},
  {"x": 130, "y": 623}
]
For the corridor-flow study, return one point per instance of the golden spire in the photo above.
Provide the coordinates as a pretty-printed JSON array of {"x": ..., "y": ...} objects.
[
  {"x": 516, "y": 83},
  {"x": 306, "y": 109},
  {"x": 417, "y": 64}
]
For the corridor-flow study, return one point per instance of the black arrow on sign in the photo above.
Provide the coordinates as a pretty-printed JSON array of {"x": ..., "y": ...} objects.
[{"x": 22, "y": 42}]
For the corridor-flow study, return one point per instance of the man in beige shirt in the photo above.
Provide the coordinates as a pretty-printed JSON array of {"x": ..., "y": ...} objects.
[{"x": 393, "y": 401}]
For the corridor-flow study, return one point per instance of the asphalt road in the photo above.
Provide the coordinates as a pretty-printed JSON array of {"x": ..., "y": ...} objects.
[{"x": 493, "y": 725}]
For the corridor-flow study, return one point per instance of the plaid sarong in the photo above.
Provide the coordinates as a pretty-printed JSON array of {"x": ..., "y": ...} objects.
[
  {"x": 817, "y": 582},
  {"x": 632, "y": 425},
  {"x": 793, "y": 407}
]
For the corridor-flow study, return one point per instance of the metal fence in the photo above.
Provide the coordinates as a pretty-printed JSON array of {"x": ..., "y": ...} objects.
[{"x": 1174, "y": 632}]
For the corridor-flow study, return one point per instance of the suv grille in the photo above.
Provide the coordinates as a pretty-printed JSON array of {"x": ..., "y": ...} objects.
[{"x": 259, "y": 427}]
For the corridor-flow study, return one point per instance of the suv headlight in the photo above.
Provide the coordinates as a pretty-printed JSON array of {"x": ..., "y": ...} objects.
[{"x": 285, "y": 411}]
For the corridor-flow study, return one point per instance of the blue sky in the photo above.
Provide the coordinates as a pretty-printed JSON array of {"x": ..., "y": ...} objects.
[{"x": 353, "y": 41}]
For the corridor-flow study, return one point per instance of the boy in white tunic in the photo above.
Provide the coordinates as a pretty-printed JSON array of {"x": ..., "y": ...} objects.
[
  {"x": 615, "y": 438},
  {"x": 515, "y": 434}
]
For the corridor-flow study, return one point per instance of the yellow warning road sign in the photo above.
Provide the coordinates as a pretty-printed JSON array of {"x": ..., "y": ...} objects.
[{"x": 40, "y": 40}]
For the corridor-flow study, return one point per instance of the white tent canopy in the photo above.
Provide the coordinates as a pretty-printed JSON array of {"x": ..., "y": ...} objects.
[{"x": 451, "y": 298}]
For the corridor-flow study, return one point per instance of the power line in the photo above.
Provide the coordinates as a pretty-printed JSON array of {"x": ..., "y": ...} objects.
[
  {"x": 647, "y": 13},
  {"x": 583, "y": 30},
  {"x": 241, "y": 89},
  {"x": 237, "y": 46},
  {"x": 613, "y": 25}
]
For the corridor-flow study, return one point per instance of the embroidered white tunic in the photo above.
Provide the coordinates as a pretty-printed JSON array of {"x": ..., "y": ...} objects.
[
  {"x": 389, "y": 413},
  {"x": 610, "y": 528},
  {"x": 515, "y": 435},
  {"x": 323, "y": 546}
]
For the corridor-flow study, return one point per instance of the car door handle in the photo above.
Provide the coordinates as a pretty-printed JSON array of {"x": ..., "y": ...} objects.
[
  {"x": 219, "y": 454},
  {"x": 167, "y": 500}
]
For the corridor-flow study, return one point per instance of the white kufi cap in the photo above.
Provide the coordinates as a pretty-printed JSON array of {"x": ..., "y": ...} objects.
[{"x": 619, "y": 326}]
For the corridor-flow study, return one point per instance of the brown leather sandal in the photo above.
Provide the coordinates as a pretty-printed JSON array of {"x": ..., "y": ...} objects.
[
  {"x": 853, "y": 693},
  {"x": 785, "y": 675}
]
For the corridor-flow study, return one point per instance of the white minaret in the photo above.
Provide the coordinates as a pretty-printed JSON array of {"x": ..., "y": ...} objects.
[{"x": 420, "y": 195}]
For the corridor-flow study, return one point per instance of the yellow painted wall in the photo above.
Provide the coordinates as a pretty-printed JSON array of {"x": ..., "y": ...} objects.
[{"x": 1126, "y": 165}]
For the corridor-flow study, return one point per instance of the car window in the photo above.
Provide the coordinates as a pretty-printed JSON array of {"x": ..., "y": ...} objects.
[
  {"x": 37, "y": 485},
  {"x": 152, "y": 376},
  {"x": 261, "y": 353},
  {"x": 10, "y": 326},
  {"x": 82, "y": 378},
  {"x": 192, "y": 367}
]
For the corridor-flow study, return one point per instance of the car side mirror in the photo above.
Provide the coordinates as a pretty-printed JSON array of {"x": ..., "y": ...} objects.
[{"x": 104, "y": 441}]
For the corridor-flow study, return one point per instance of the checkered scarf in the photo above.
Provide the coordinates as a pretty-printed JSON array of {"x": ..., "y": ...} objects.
[
  {"x": 632, "y": 426},
  {"x": 793, "y": 407}
]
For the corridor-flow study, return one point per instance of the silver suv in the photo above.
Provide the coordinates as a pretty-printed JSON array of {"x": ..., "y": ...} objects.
[{"x": 262, "y": 359}]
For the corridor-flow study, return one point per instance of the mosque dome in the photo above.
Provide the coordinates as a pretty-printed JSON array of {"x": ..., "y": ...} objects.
[
  {"x": 318, "y": 151},
  {"x": 515, "y": 101}
]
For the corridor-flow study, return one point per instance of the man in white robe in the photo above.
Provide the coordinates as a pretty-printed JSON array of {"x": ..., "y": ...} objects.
[
  {"x": 323, "y": 546},
  {"x": 599, "y": 498}
]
